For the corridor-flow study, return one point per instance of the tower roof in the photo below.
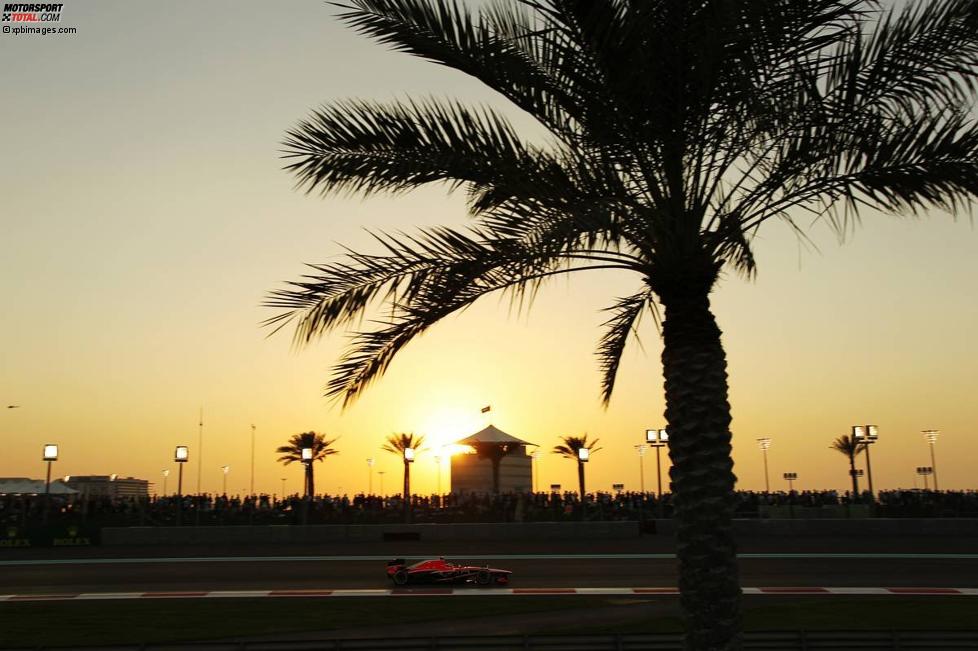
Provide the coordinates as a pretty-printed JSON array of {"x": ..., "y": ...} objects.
[{"x": 492, "y": 434}]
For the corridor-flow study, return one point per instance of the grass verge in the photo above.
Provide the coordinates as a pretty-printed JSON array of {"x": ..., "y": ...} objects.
[
  {"x": 164, "y": 620},
  {"x": 768, "y": 613},
  {"x": 154, "y": 621}
]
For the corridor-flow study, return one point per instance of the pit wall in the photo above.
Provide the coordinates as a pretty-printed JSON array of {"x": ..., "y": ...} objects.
[
  {"x": 873, "y": 527},
  {"x": 753, "y": 528},
  {"x": 285, "y": 534}
]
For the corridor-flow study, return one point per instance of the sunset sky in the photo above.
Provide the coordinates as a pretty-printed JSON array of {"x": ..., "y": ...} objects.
[{"x": 145, "y": 217}]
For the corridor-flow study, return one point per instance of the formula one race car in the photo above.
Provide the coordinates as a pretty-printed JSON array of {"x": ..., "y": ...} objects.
[{"x": 441, "y": 571}]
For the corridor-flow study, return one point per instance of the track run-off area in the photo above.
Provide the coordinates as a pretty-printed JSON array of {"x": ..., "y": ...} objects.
[
  {"x": 141, "y": 575},
  {"x": 488, "y": 592}
]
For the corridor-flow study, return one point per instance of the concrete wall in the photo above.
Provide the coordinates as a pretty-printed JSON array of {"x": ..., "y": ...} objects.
[
  {"x": 369, "y": 533},
  {"x": 846, "y": 527},
  {"x": 285, "y": 534}
]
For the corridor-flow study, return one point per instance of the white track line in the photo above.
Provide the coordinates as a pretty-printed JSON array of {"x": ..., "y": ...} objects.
[{"x": 477, "y": 592}]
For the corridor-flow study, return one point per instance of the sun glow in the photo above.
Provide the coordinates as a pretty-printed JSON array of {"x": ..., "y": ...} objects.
[{"x": 445, "y": 425}]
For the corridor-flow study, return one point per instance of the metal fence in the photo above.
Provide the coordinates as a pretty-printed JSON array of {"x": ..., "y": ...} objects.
[{"x": 769, "y": 641}]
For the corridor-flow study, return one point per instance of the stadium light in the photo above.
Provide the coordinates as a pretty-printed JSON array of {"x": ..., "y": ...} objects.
[
  {"x": 765, "y": 444},
  {"x": 867, "y": 435},
  {"x": 50, "y": 455},
  {"x": 584, "y": 454},
  {"x": 642, "y": 449},
  {"x": 306, "y": 455},
  {"x": 181, "y": 455},
  {"x": 791, "y": 477},
  {"x": 657, "y": 438},
  {"x": 931, "y": 436},
  {"x": 409, "y": 455},
  {"x": 925, "y": 472}
]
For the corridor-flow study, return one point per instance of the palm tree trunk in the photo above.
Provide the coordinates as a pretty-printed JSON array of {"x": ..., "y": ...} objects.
[
  {"x": 580, "y": 480},
  {"x": 310, "y": 487},
  {"x": 698, "y": 417},
  {"x": 855, "y": 480},
  {"x": 407, "y": 491}
]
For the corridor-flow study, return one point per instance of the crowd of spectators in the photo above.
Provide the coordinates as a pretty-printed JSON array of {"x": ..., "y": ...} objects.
[{"x": 506, "y": 507}]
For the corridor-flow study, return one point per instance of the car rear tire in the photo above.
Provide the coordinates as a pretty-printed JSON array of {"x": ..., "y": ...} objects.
[
  {"x": 400, "y": 577},
  {"x": 483, "y": 577}
]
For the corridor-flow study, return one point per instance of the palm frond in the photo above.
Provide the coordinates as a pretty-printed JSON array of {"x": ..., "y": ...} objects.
[
  {"x": 626, "y": 314},
  {"x": 571, "y": 445},
  {"x": 678, "y": 130},
  {"x": 366, "y": 147},
  {"x": 398, "y": 443}
]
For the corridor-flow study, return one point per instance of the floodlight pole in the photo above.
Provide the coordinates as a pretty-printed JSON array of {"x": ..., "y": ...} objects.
[
  {"x": 931, "y": 435},
  {"x": 642, "y": 448},
  {"x": 180, "y": 456},
  {"x": 438, "y": 465},
  {"x": 867, "y": 435},
  {"x": 251, "y": 489},
  {"x": 657, "y": 438},
  {"x": 765, "y": 443},
  {"x": 200, "y": 449}
]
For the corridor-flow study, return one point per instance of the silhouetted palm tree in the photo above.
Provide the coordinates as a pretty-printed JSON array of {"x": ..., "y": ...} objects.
[
  {"x": 495, "y": 453},
  {"x": 672, "y": 132},
  {"x": 571, "y": 449},
  {"x": 397, "y": 444},
  {"x": 850, "y": 447},
  {"x": 321, "y": 448}
]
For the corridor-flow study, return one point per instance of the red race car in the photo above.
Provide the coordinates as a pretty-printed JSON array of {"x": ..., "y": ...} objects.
[{"x": 441, "y": 571}]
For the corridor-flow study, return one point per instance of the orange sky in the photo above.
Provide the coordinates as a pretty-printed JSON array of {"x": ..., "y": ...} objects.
[{"x": 145, "y": 216}]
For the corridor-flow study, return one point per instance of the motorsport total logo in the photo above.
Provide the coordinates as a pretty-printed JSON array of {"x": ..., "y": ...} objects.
[{"x": 31, "y": 13}]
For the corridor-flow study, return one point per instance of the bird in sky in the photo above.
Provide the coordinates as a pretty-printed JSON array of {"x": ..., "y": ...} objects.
[{"x": 13, "y": 406}]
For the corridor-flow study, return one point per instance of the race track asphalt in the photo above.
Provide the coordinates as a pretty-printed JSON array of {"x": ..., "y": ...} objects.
[{"x": 912, "y": 562}]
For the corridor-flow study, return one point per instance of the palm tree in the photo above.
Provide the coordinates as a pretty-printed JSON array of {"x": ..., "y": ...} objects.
[
  {"x": 397, "y": 444},
  {"x": 321, "y": 448},
  {"x": 571, "y": 449},
  {"x": 850, "y": 447},
  {"x": 672, "y": 132},
  {"x": 495, "y": 453}
]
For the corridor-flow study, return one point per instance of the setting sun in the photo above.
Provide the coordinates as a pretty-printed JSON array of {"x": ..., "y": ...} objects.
[{"x": 445, "y": 425}]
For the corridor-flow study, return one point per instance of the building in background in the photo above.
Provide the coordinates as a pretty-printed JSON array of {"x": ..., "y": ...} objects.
[
  {"x": 26, "y": 486},
  {"x": 108, "y": 486},
  {"x": 472, "y": 473}
]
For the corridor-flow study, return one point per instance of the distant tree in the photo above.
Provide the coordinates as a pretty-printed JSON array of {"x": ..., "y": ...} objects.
[
  {"x": 851, "y": 448},
  {"x": 397, "y": 444},
  {"x": 321, "y": 448},
  {"x": 571, "y": 449}
]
